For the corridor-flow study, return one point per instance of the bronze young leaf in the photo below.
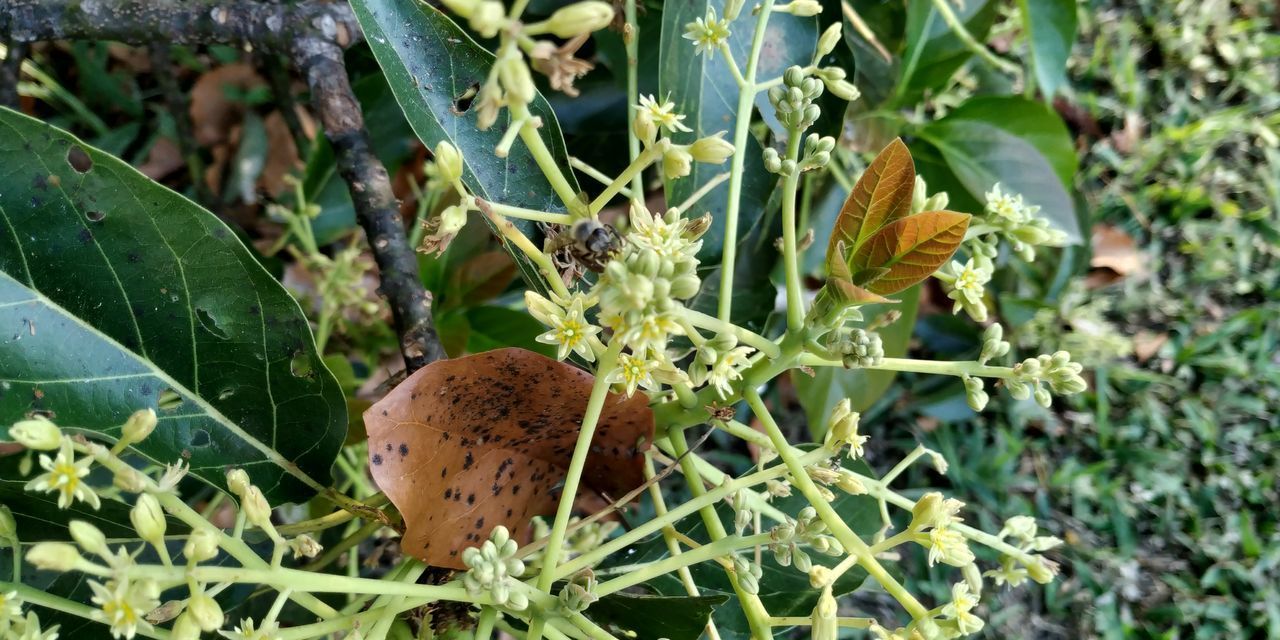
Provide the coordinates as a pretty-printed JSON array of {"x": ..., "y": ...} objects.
[
  {"x": 881, "y": 195},
  {"x": 908, "y": 250},
  {"x": 464, "y": 445}
]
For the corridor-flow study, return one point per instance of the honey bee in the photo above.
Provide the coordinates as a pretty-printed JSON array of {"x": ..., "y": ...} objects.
[{"x": 586, "y": 244}]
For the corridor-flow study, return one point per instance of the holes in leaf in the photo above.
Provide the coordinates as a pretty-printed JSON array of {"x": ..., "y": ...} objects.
[
  {"x": 79, "y": 159},
  {"x": 226, "y": 393},
  {"x": 463, "y": 102},
  {"x": 300, "y": 366},
  {"x": 95, "y": 216},
  {"x": 169, "y": 400},
  {"x": 200, "y": 438},
  {"x": 210, "y": 324}
]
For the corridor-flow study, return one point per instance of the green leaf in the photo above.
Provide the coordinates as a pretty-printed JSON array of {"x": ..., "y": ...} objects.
[
  {"x": 645, "y": 616},
  {"x": 430, "y": 64},
  {"x": 498, "y": 327},
  {"x": 1050, "y": 27},
  {"x": 118, "y": 294},
  {"x": 820, "y": 392},
  {"x": 704, "y": 90},
  {"x": 933, "y": 51},
  {"x": 1033, "y": 121},
  {"x": 875, "y": 67},
  {"x": 981, "y": 154}
]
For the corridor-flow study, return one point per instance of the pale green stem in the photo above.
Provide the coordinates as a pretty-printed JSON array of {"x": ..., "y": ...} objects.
[
  {"x": 349, "y": 542},
  {"x": 903, "y": 464},
  {"x": 790, "y": 256},
  {"x": 573, "y": 476},
  {"x": 715, "y": 476},
  {"x": 957, "y": 27},
  {"x": 522, "y": 213},
  {"x": 514, "y": 236},
  {"x": 542, "y": 155},
  {"x": 668, "y": 535},
  {"x": 957, "y": 369},
  {"x": 751, "y": 338},
  {"x": 752, "y": 608},
  {"x": 742, "y": 128},
  {"x": 694, "y": 197},
  {"x": 331, "y": 520},
  {"x": 720, "y": 548},
  {"x": 893, "y": 541},
  {"x": 796, "y": 621},
  {"x": 647, "y": 157},
  {"x": 484, "y": 626},
  {"x": 234, "y": 546},
  {"x": 508, "y": 138},
  {"x": 631, "y": 40},
  {"x": 595, "y": 556},
  {"x": 733, "y": 66},
  {"x": 850, "y": 540},
  {"x": 598, "y": 175}
]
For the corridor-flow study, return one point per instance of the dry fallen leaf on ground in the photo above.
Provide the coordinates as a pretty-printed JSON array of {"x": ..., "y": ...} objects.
[
  {"x": 464, "y": 445},
  {"x": 1115, "y": 250}
]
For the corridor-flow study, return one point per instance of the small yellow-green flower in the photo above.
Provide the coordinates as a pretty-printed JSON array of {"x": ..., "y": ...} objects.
[
  {"x": 707, "y": 34},
  {"x": 64, "y": 474},
  {"x": 123, "y": 605},
  {"x": 247, "y": 630},
  {"x": 960, "y": 609},
  {"x": 663, "y": 114},
  {"x": 570, "y": 331},
  {"x": 633, "y": 373}
]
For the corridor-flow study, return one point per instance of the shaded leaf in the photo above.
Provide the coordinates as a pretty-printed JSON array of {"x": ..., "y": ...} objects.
[
  {"x": 492, "y": 327},
  {"x": 875, "y": 61},
  {"x": 881, "y": 195},
  {"x": 1050, "y": 27},
  {"x": 910, "y": 249},
  {"x": 982, "y": 154},
  {"x": 645, "y": 616},
  {"x": 117, "y": 294},
  {"x": 933, "y": 51},
  {"x": 1035, "y": 122},
  {"x": 430, "y": 63},
  {"x": 464, "y": 445}
]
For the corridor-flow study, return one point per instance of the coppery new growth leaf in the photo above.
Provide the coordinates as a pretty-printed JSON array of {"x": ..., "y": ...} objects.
[
  {"x": 881, "y": 195},
  {"x": 909, "y": 250}
]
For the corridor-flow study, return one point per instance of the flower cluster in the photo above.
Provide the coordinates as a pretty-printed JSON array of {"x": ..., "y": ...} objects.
[
  {"x": 493, "y": 568},
  {"x": 806, "y": 530},
  {"x": 655, "y": 120},
  {"x": 19, "y": 627},
  {"x": 1057, "y": 371},
  {"x": 1007, "y": 215}
]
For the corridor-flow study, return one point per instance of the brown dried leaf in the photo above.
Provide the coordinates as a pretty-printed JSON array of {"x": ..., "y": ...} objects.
[
  {"x": 212, "y": 112},
  {"x": 464, "y": 445},
  {"x": 908, "y": 250},
  {"x": 163, "y": 159},
  {"x": 881, "y": 195},
  {"x": 1115, "y": 250}
]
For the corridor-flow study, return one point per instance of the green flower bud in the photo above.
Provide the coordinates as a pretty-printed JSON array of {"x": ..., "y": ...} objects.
[
  {"x": 580, "y": 18},
  {"x": 138, "y": 426},
  {"x": 842, "y": 89},
  {"x": 255, "y": 507},
  {"x": 205, "y": 612},
  {"x": 819, "y": 576},
  {"x": 732, "y": 9},
  {"x": 488, "y": 17},
  {"x": 8, "y": 527},
  {"x": 463, "y": 8},
  {"x": 711, "y": 149},
  {"x": 644, "y": 127},
  {"x": 976, "y": 397},
  {"x": 772, "y": 161},
  {"x": 201, "y": 545},
  {"x": 825, "y": 625},
  {"x": 677, "y": 162},
  {"x": 54, "y": 556},
  {"x": 448, "y": 162},
  {"x": 928, "y": 511},
  {"x": 148, "y": 519},
  {"x": 185, "y": 628},
  {"x": 514, "y": 75},
  {"x": 238, "y": 481},
  {"x": 1041, "y": 570},
  {"x": 829, "y": 39},
  {"x": 37, "y": 433},
  {"x": 803, "y": 8},
  {"x": 89, "y": 537}
]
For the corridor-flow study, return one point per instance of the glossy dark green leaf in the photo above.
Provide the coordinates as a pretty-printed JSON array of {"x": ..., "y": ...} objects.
[
  {"x": 430, "y": 64},
  {"x": 704, "y": 90},
  {"x": 645, "y": 616},
  {"x": 494, "y": 327},
  {"x": 117, "y": 294},
  {"x": 875, "y": 49},
  {"x": 933, "y": 51},
  {"x": 819, "y": 393},
  {"x": 1050, "y": 28},
  {"x": 754, "y": 292},
  {"x": 981, "y": 152}
]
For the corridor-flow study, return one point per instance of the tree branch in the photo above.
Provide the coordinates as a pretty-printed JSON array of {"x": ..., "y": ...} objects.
[{"x": 311, "y": 33}]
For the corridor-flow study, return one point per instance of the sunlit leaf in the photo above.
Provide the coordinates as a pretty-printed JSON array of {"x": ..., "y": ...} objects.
[
  {"x": 465, "y": 445},
  {"x": 881, "y": 195},
  {"x": 910, "y": 249}
]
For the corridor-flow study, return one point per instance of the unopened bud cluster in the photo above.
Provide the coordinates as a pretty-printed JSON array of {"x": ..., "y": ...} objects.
[
  {"x": 806, "y": 530},
  {"x": 1040, "y": 375},
  {"x": 493, "y": 568}
]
